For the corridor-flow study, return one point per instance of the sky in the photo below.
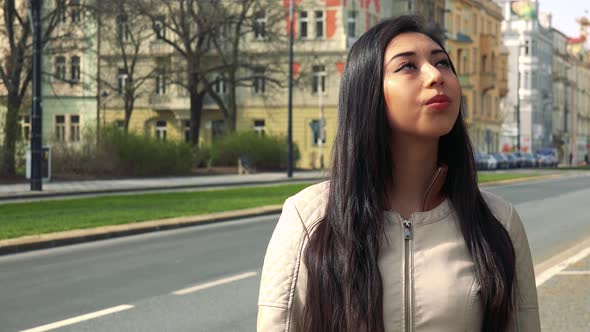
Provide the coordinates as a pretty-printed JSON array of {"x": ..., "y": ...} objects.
[{"x": 565, "y": 13}]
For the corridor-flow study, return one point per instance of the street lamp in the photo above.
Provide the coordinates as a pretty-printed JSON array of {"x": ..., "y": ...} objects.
[{"x": 290, "y": 120}]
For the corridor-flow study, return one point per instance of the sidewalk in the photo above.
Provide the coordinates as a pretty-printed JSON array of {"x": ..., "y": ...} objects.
[{"x": 70, "y": 188}]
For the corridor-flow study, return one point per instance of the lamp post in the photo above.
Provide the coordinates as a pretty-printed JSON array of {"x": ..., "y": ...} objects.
[
  {"x": 37, "y": 109},
  {"x": 518, "y": 98},
  {"x": 290, "y": 120}
]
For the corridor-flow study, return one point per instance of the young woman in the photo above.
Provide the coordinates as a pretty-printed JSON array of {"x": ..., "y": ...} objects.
[{"x": 400, "y": 238}]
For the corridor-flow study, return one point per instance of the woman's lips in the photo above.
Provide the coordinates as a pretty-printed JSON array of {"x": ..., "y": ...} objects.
[{"x": 439, "y": 102}]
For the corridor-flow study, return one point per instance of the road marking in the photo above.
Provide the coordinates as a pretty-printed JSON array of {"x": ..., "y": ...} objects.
[
  {"x": 214, "y": 283},
  {"x": 551, "y": 272},
  {"x": 574, "y": 273},
  {"x": 79, "y": 319}
]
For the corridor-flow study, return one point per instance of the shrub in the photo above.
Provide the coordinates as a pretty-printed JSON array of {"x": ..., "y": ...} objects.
[
  {"x": 262, "y": 152},
  {"x": 121, "y": 154}
]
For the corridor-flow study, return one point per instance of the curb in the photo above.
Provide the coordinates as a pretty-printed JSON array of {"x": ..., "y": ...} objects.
[
  {"x": 521, "y": 180},
  {"x": 8, "y": 198},
  {"x": 51, "y": 240}
]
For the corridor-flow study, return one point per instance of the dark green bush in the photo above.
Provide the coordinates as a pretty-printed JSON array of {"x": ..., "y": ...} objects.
[
  {"x": 262, "y": 152},
  {"x": 120, "y": 154}
]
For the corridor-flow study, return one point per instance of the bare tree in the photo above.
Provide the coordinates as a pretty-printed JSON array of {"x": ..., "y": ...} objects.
[
  {"x": 208, "y": 36},
  {"x": 238, "y": 25},
  {"x": 16, "y": 60},
  {"x": 124, "y": 36}
]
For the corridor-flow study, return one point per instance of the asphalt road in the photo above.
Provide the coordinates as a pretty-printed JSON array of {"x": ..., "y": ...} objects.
[{"x": 136, "y": 277}]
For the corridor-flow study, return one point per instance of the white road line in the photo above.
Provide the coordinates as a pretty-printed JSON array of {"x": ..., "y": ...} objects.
[
  {"x": 78, "y": 319},
  {"x": 575, "y": 273},
  {"x": 549, "y": 273},
  {"x": 215, "y": 283}
]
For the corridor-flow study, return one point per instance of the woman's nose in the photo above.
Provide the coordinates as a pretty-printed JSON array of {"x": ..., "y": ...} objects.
[{"x": 433, "y": 75}]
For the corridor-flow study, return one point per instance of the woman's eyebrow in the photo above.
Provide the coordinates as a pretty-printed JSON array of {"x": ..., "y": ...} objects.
[{"x": 412, "y": 53}]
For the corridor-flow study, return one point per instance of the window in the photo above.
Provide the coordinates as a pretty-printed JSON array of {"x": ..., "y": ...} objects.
[
  {"x": 187, "y": 131},
  {"x": 217, "y": 129},
  {"x": 303, "y": 24},
  {"x": 318, "y": 135},
  {"x": 319, "y": 24},
  {"x": 260, "y": 25},
  {"x": 160, "y": 84},
  {"x": 74, "y": 128},
  {"x": 122, "y": 28},
  {"x": 259, "y": 82},
  {"x": 352, "y": 23},
  {"x": 159, "y": 27},
  {"x": 60, "y": 68},
  {"x": 219, "y": 86},
  {"x": 60, "y": 128},
  {"x": 259, "y": 127},
  {"x": 460, "y": 61},
  {"x": 161, "y": 130},
  {"x": 474, "y": 59},
  {"x": 526, "y": 47},
  {"x": 493, "y": 63},
  {"x": 475, "y": 25},
  {"x": 75, "y": 11},
  {"x": 318, "y": 83},
  {"x": 120, "y": 124},
  {"x": 25, "y": 127},
  {"x": 60, "y": 6},
  {"x": 483, "y": 63},
  {"x": 75, "y": 69},
  {"x": 122, "y": 81}
]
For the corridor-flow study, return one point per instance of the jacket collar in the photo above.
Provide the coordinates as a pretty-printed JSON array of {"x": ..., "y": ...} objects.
[{"x": 433, "y": 196}]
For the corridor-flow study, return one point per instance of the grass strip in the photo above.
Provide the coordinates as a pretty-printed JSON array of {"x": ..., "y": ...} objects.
[{"x": 32, "y": 218}]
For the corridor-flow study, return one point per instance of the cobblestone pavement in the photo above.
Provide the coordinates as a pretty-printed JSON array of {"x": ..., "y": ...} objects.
[{"x": 564, "y": 299}]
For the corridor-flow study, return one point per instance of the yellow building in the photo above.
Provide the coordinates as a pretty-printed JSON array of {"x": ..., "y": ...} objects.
[{"x": 474, "y": 43}]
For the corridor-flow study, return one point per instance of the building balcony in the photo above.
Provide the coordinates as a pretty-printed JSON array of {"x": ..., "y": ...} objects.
[
  {"x": 503, "y": 86},
  {"x": 487, "y": 42},
  {"x": 465, "y": 80},
  {"x": 160, "y": 102},
  {"x": 488, "y": 80},
  {"x": 160, "y": 48}
]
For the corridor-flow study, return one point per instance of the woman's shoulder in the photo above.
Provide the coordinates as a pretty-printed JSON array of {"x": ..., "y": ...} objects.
[
  {"x": 504, "y": 211},
  {"x": 310, "y": 202}
]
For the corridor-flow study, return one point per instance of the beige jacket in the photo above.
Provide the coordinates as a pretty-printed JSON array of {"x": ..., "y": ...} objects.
[{"x": 427, "y": 273}]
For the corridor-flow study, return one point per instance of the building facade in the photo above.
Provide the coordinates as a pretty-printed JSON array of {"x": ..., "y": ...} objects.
[
  {"x": 527, "y": 108},
  {"x": 475, "y": 45}
]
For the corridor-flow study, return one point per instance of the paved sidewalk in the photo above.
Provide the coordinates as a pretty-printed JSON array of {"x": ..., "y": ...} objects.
[
  {"x": 564, "y": 299},
  {"x": 65, "y": 188}
]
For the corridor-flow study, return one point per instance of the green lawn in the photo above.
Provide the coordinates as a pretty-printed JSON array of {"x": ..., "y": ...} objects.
[
  {"x": 21, "y": 219},
  {"x": 504, "y": 176}
]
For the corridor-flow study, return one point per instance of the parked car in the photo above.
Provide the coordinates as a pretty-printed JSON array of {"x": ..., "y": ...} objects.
[
  {"x": 487, "y": 161},
  {"x": 512, "y": 160},
  {"x": 529, "y": 160},
  {"x": 547, "y": 157},
  {"x": 519, "y": 158},
  {"x": 546, "y": 160},
  {"x": 503, "y": 162}
]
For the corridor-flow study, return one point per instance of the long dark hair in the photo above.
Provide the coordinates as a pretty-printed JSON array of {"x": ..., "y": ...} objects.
[{"x": 344, "y": 287}]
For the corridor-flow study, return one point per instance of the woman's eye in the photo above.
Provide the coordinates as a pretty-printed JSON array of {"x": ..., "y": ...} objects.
[
  {"x": 444, "y": 62},
  {"x": 405, "y": 66}
]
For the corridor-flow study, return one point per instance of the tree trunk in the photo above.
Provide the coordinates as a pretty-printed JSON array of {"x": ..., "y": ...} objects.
[
  {"x": 128, "y": 111},
  {"x": 196, "y": 107},
  {"x": 232, "y": 104},
  {"x": 10, "y": 136}
]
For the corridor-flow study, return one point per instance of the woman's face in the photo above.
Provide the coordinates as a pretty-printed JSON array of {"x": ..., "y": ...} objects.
[{"x": 422, "y": 94}]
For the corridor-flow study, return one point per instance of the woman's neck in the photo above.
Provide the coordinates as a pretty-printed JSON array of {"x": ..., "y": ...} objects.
[{"x": 415, "y": 162}]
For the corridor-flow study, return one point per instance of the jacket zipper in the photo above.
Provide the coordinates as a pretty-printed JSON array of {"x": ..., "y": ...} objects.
[{"x": 407, "y": 224}]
